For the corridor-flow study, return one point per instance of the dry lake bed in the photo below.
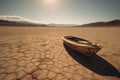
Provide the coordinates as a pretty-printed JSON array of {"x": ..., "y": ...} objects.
[{"x": 38, "y": 53}]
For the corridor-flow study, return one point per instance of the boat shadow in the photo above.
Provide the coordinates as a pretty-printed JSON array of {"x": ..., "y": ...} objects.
[{"x": 95, "y": 63}]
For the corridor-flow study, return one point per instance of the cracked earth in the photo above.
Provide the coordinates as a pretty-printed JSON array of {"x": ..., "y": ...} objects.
[{"x": 41, "y": 58}]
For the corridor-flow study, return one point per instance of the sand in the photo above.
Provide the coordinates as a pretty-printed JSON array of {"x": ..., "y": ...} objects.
[{"x": 38, "y": 53}]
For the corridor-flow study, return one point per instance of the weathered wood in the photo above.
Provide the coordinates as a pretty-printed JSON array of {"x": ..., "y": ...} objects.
[{"x": 81, "y": 45}]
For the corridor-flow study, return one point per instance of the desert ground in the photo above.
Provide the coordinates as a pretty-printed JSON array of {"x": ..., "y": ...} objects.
[{"x": 38, "y": 53}]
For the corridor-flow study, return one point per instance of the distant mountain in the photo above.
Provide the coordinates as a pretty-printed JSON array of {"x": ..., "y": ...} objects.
[
  {"x": 61, "y": 25},
  {"x": 100, "y": 24},
  {"x": 18, "y": 23}
]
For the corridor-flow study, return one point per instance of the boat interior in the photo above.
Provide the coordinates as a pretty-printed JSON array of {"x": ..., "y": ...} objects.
[{"x": 78, "y": 40}]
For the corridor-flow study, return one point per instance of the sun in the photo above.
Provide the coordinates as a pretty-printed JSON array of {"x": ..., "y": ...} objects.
[{"x": 51, "y": 4}]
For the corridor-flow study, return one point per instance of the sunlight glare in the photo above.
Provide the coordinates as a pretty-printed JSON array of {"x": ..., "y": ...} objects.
[{"x": 51, "y": 4}]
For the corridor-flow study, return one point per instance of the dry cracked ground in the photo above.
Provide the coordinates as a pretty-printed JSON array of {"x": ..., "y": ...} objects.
[{"x": 42, "y": 58}]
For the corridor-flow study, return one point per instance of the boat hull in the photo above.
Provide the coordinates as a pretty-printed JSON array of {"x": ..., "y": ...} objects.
[{"x": 85, "y": 50}]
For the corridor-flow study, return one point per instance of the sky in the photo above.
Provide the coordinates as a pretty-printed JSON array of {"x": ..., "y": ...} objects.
[{"x": 62, "y": 11}]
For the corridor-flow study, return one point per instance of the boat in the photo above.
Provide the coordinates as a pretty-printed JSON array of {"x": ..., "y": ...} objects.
[{"x": 83, "y": 46}]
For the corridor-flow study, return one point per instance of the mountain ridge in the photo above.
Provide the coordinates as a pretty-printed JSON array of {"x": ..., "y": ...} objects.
[
  {"x": 115, "y": 23},
  {"x": 19, "y": 23},
  {"x": 98, "y": 24}
]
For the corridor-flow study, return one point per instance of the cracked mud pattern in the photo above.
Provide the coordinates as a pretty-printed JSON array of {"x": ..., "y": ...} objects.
[{"x": 41, "y": 58}]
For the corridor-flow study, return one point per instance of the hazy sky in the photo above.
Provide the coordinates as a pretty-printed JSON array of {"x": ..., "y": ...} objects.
[{"x": 62, "y": 11}]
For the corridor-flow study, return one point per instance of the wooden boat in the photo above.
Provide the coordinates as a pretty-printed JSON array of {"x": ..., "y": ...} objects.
[{"x": 81, "y": 45}]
